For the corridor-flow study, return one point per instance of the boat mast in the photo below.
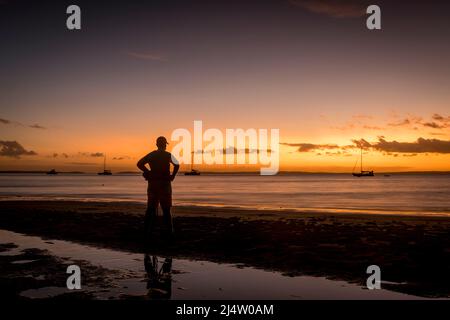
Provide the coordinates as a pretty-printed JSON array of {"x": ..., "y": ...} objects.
[
  {"x": 104, "y": 162},
  {"x": 361, "y": 158}
]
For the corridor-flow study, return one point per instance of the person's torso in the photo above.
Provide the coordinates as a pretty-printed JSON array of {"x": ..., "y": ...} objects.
[{"x": 159, "y": 162}]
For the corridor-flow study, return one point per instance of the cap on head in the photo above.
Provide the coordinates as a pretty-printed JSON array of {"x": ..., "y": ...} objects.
[{"x": 161, "y": 141}]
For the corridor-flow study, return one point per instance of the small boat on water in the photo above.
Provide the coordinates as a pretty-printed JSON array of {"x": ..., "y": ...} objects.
[
  {"x": 193, "y": 172},
  {"x": 362, "y": 173},
  {"x": 52, "y": 172},
  {"x": 105, "y": 172}
]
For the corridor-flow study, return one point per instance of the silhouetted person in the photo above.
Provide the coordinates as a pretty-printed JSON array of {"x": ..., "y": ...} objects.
[
  {"x": 159, "y": 282},
  {"x": 159, "y": 189}
]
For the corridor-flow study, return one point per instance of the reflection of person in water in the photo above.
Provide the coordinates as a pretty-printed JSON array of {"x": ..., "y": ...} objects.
[{"x": 159, "y": 281}]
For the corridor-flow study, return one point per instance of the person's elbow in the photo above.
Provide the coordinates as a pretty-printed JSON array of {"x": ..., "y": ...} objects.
[{"x": 140, "y": 165}]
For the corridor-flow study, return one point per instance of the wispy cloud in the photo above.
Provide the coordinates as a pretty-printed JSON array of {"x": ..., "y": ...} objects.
[
  {"x": 13, "y": 149},
  {"x": 97, "y": 154},
  {"x": 307, "y": 147},
  {"x": 91, "y": 154},
  {"x": 122, "y": 158},
  {"x": 401, "y": 123},
  {"x": 234, "y": 150},
  {"x": 63, "y": 155},
  {"x": 19, "y": 124},
  {"x": 436, "y": 122},
  {"x": 373, "y": 127},
  {"x": 37, "y": 126},
  {"x": 333, "y": 8},
  {"x": 84, "y": 163},
  {"x": 438, "y": 117},
  {"x": 146, "y": 56}
]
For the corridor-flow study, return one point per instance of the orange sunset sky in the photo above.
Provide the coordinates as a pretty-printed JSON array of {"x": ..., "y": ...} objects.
[{"x": 139, "y": 69}]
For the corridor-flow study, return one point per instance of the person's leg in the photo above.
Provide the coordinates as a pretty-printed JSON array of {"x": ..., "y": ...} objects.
[
  {"x": 152, "y": 210},
  {"x": 166, "y": 204},
  {"x": 150, "y": 217},
  {"x": 167, "y": 216}
]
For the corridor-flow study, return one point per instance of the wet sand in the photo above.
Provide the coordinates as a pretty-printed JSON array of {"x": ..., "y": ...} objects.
[
  {"x": 33, "y": 269},
  {"x": 411, "y": 250}
]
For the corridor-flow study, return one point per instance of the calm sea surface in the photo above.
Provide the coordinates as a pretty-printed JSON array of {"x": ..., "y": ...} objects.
[{"x": 407, "y": 194}]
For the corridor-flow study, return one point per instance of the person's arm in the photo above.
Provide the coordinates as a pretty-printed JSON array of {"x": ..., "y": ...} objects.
[
  {"x": 141, "y": 164},
  {"x": 176, "y": 167}
]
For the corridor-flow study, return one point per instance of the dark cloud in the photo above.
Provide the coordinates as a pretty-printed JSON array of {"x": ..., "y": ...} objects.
[
  {"x": 434, "y": 125},
  {"x": 438, "y": 117},
  {"x": 361, "y": 144},
  {"x": 388, "y": 147},
  {"x": 420, "y": 146},
  {"x": 307, "y": 147},
  {"x": 97, "y": 154},
  {"x": 14, "y": 149},
  {"x": 5, "y": 121},
  {"x": 333, "y": 8},
  {"x": 57, "y": 155},
  {"x": 438, "y": 122},
  {"x": 91, "y": 154}
]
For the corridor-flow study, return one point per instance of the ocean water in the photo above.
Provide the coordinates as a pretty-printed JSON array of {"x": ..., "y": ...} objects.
[{"x": 423, "y": 194}]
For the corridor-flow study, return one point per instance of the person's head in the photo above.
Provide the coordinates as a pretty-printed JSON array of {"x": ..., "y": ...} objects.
[{"x": 161, "y": 143}]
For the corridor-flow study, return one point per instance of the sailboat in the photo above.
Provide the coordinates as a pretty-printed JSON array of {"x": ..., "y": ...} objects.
[
  {"x": 52, "y": 172},
  {"x": 105, "y": 171},
  {"x": 362, "y": 173},
  {"x": 193, "y": 172}
]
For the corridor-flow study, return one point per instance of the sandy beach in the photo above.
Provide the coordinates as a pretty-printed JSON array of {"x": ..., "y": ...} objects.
[{"x": 412, "y": 251}]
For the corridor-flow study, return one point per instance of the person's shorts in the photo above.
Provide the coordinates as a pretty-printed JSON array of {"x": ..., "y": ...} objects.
[{"x": 159, "y": 192}]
